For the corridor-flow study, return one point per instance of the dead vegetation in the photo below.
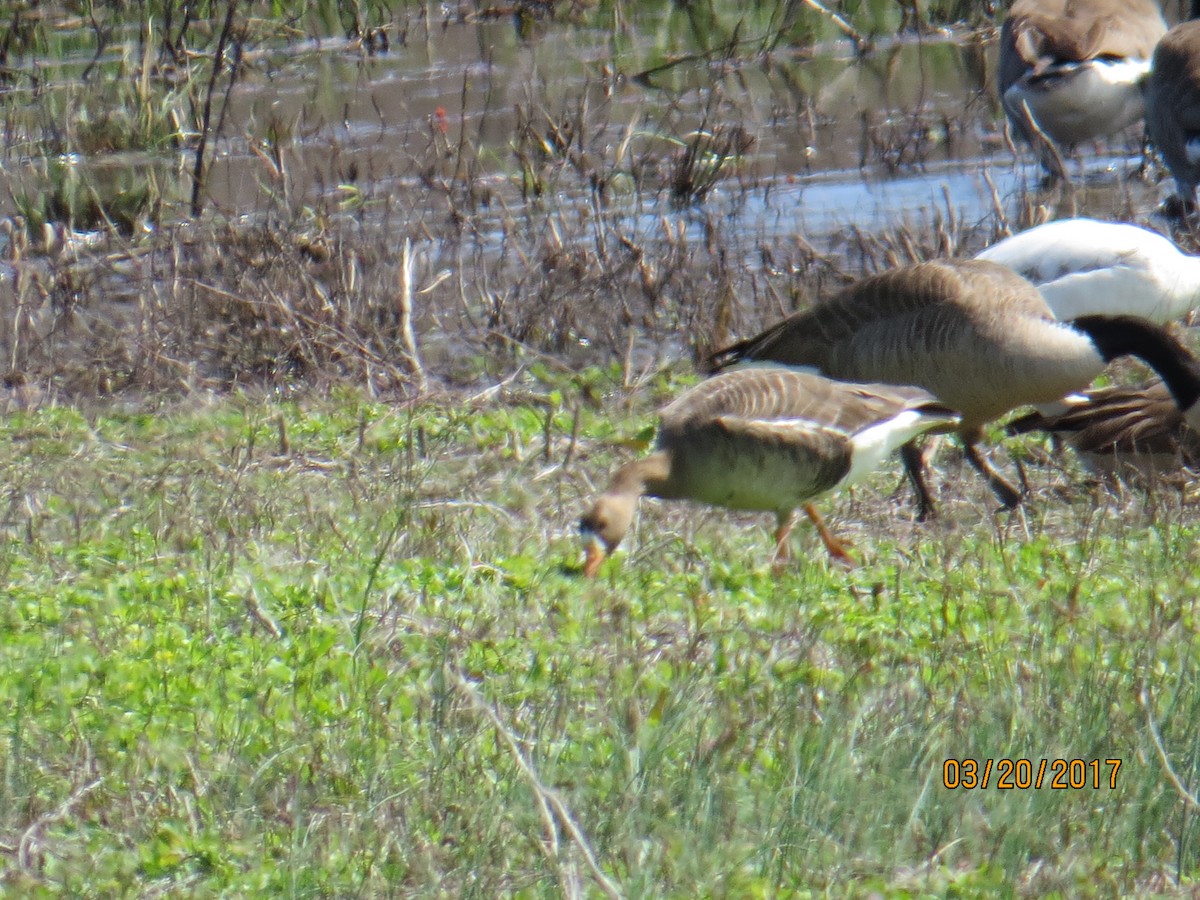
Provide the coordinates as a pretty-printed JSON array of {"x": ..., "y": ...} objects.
[{"x": 584, "y": 223}]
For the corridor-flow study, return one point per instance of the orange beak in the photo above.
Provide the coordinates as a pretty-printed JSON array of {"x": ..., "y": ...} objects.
[{"x": 594, "y": 554}]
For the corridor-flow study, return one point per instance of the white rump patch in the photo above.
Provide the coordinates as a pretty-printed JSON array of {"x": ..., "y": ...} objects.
[{"x": 875, "y": 444}]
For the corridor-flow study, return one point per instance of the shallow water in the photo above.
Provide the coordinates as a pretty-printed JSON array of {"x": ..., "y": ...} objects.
[
  {"x": 907, "y": 133},
  {"x": 502, "y": 148}
]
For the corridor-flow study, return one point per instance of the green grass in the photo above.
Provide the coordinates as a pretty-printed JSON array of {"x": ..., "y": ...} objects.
[{"x": 354, "y": 667}]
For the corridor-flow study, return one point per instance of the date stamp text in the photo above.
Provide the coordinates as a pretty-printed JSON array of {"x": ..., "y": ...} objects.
[{"x": 1025, "y": 774}]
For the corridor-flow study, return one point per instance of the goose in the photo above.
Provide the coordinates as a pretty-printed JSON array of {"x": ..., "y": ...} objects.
[
  {"x": 763, "y": 438},
  {"x": 1122, "y": 428},
  {"x": 1086, "y": 267},
  {"x": 977, "y": 336},
  {"x": 1173, "y": 105},
  {"x": 1076, "y": 67}
]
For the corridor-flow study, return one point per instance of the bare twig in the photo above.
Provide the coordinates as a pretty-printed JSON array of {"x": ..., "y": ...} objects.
[
  {"x": 1184, "y": 794},
  {"x": 860, "y": 43},
  {"x": 553, "y": 811},
  {"x": 570, "y": 454},
  {"x": 1045, "y": 148},
  {"x": 206, "y": 119},
  {"x": 407, "y": 339},
  {"x": 260, "y": 615},
  {"x": 32, "y": 836}
]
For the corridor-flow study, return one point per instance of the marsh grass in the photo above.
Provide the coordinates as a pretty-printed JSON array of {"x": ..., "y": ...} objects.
[
  {"x": 337, "y": 646},
  {"x": 291, "y": 610}
]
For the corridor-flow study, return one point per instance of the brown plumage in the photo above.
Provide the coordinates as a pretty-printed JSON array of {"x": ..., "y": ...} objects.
[
  {"x": 1077, "y": 65},
  {"x": 763, "y": 438},
  {"x": 976, "y": 335},
  {"x": 1122, "y": 428},
  {"x": 1173, "y": 105}
]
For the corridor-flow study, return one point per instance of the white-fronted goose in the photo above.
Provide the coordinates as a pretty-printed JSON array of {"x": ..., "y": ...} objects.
[
  {"x": 1173, "y": 105},
  {"x": 1077, "y": 66},
  {"x": 763, "y": 438},
  {"x": 1122, "y": 428},
  {"x": 976, "y": 335},
  {"x": 1085, "y": 267}
]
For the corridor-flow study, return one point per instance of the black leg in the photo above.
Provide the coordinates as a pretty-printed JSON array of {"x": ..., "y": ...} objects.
[
  {"x": 1009, "y": 496},
  {"x": 914, "y": 468}
]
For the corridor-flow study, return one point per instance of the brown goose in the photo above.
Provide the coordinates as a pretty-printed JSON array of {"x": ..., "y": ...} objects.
[
  {"x": 1077, "y": 66},
  {"x": 976, "y": 335},
  {"x": 1122, "y": 428},
  {"x": 1173, "y": 105},
  {"x": 763, "y": 438}
]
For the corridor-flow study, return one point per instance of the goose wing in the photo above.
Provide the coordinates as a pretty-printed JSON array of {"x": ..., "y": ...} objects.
[
  {"x": 1119, "y": 419},
  {"x": 777, "y": 393},
  {"x": 932, "y": 304},
  {"x": 973, "y": 332},
  {"x": 1047, "y": 31},
  {"x": 773, "y": 437}
]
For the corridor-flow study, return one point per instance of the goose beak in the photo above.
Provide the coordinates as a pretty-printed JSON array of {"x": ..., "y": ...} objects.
[{"x": 594, "y": 553}]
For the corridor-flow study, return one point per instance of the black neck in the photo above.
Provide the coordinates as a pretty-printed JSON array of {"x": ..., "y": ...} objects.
[{"x": 1134, "y": 336}]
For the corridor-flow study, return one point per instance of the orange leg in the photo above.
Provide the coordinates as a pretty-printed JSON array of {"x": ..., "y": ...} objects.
[
  {"x": 836, "y": 548},
  {"x": 783, "y": 553}
]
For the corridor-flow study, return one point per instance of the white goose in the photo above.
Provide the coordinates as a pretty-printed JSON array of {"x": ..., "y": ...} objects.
[{"x": 1085, "y": 267}]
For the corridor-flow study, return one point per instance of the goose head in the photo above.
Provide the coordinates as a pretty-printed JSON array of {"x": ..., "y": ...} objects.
[{"x": 603, "y": 527}]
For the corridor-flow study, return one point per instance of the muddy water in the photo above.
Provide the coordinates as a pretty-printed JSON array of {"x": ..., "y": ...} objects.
[
  {"x": 470, "y": 130},
  {"x": 910, "y": 133}
]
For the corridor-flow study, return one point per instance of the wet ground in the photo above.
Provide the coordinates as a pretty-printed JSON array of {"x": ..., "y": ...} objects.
[{"x": 573, "y": 189}]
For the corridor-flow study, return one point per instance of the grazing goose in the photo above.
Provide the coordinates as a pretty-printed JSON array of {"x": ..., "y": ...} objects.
[
  {"x": 1085, "y": 267},
  {"x": 763, "y": 438},
  {"x": 1173, "y": 105},
  {"x": 977, "y": 336},
  {"x": 1077, "y": 66},
  {"x": 1122, "y": 428}
]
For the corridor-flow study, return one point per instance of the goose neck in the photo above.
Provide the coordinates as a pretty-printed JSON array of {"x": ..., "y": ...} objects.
[
  {"x": 1115, "y": 336},
  {"x": 648, "y": 475}
]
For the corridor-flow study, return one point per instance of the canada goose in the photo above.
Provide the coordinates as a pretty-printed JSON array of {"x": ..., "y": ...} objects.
[
  {"x": 1173, "y": 105},
  {"x": 763, "y": 438},
  {"x": 1122, "y": 428},
  {"x": 977, "y": 336},
  {"x": 1085, "y": 267},
  {"x": 1076, "y": 67}
]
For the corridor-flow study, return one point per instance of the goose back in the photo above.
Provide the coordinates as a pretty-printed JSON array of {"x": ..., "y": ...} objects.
[
  {"x": 772, "y": 438},
  {"x": 973, "y": 333}
]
